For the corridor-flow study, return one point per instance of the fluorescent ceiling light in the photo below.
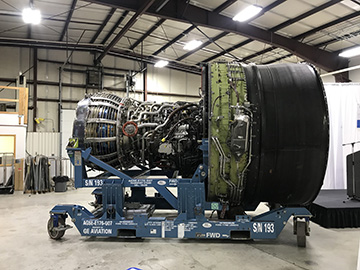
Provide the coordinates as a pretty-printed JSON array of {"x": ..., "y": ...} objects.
[
  {"x": 351, "y": 52},
  {"x": 247, "y": 13},
  {"x": 192, "y": 45},
  {"x": 161, "y": 63},
  {"x": 32, "y": 16}
]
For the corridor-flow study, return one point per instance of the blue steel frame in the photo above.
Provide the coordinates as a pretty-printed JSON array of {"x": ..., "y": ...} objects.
[{"x": 190, "y": 204}]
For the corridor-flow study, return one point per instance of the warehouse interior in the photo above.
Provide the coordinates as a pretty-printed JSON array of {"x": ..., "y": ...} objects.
[{"x": 116, "y": 51}]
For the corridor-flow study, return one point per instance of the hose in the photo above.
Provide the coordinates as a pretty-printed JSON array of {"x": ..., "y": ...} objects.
[
  {"x": 169, "y": 118},
  {"x": 174, "y": 126}
]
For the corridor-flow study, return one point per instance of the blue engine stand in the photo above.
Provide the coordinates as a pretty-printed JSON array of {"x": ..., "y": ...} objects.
[{"x": 117, "y": 220}]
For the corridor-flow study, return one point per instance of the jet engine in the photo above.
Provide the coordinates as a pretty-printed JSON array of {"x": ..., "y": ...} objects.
[{"x": 267, "y": 129}]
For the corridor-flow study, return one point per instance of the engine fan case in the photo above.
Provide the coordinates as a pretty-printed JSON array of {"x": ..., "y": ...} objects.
[{"x": 291, "y": 134}]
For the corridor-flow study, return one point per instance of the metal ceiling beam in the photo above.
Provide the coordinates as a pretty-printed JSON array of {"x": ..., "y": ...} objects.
[
  {"x": 187, "y": 31},
  {"x": 309, "y": 33},
  {"x": 304, "y": 15},
  {"x": 83, "y": 65},
  {"x": 68, "y": 19},
  {"x": 95, "y": 48},
  {"x": 152, "y": 60},
  {"x": 258, "y": 53},
  {"x": 116, "y": 25},
  {"x": 291, "y": 21},
  {"x": 277, "y": 59},
  {"x": 139, "y": 11},
  {"x": 264, "y": 10},
  {"x": 327, "y": 25},
  {"x": 183, "y": 12},
  {"x": 221, "y": 35},
  {"x": 44, "y": 44},
  {"x": 224, "y": 6},
  {"x": 161, "y": 5},
  {"x": 333, "y": 40},
  {"x": 267, "y": 8},
  {"x": 228, "y": 50},
  {"x": 46, "y": 18},
  {"x": 149, "y": 32},
  {"x": 171, "y": 42},
  {"x": 356, "y": 2},
  {"x": 324, "y": 43},
  {"x": 102, "y": 26}
]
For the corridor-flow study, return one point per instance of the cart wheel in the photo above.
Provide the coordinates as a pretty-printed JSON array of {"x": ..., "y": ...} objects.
[
  {"x": 301, "y": 232},
  {"x": 55, "y": 234},
  {"x": 301, "y": 241}
]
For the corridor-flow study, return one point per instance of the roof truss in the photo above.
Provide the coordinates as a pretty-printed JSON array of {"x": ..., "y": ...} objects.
[{"x": 68, "y": 19}]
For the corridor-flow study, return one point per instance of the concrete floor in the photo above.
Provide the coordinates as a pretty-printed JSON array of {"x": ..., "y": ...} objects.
[{"x": 25, "y": 244}]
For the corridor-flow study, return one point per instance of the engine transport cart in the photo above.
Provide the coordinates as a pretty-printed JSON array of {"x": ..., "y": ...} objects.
[{"x": 118, "y": 214}]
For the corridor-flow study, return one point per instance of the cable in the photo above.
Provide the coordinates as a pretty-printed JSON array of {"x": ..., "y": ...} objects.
[
  {"x": 169, "y": 118},
  {"x": 213, "y": 105},
  {"x": 13, "y": 28},
  {"x": 47, "y": 18},
  {"x": 236, "y": 92},
  {"x": 10, "y": 5},
  {"x": 168, "y": 40},
  {"x": 67, "y": 60},
  {"x": 58, "y": 32},
  {"x": 61, "y": 13},
  {"x": 183, "y": 15},
  {"x": 210, "y": 39},
  {"x": 22, "y": 73},
  {"x": 174, "y": 126}
]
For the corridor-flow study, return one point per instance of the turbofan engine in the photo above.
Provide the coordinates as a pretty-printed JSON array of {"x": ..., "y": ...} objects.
[{"x": 266, "y": 126}]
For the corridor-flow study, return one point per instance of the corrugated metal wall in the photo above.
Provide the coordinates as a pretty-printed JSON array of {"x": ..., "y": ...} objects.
[
  {"x": 47, "y": 144},
  {"x": 43, "y": 143}
]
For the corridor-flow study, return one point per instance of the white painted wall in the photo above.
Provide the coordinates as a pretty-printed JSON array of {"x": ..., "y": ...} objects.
[
  {"x": 20, "y": 132},
  {"x": 9, "y": 125}
]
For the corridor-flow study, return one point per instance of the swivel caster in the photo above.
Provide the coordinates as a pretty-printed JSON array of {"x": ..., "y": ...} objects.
[
  {"x": 301, "y": 229},
  {"x": 56, "y": 232}
]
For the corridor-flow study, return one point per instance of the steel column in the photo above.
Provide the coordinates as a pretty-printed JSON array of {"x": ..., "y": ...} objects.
[
  {"x": 145, "y": 81},
  {"x": 35, "y": 84}
]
